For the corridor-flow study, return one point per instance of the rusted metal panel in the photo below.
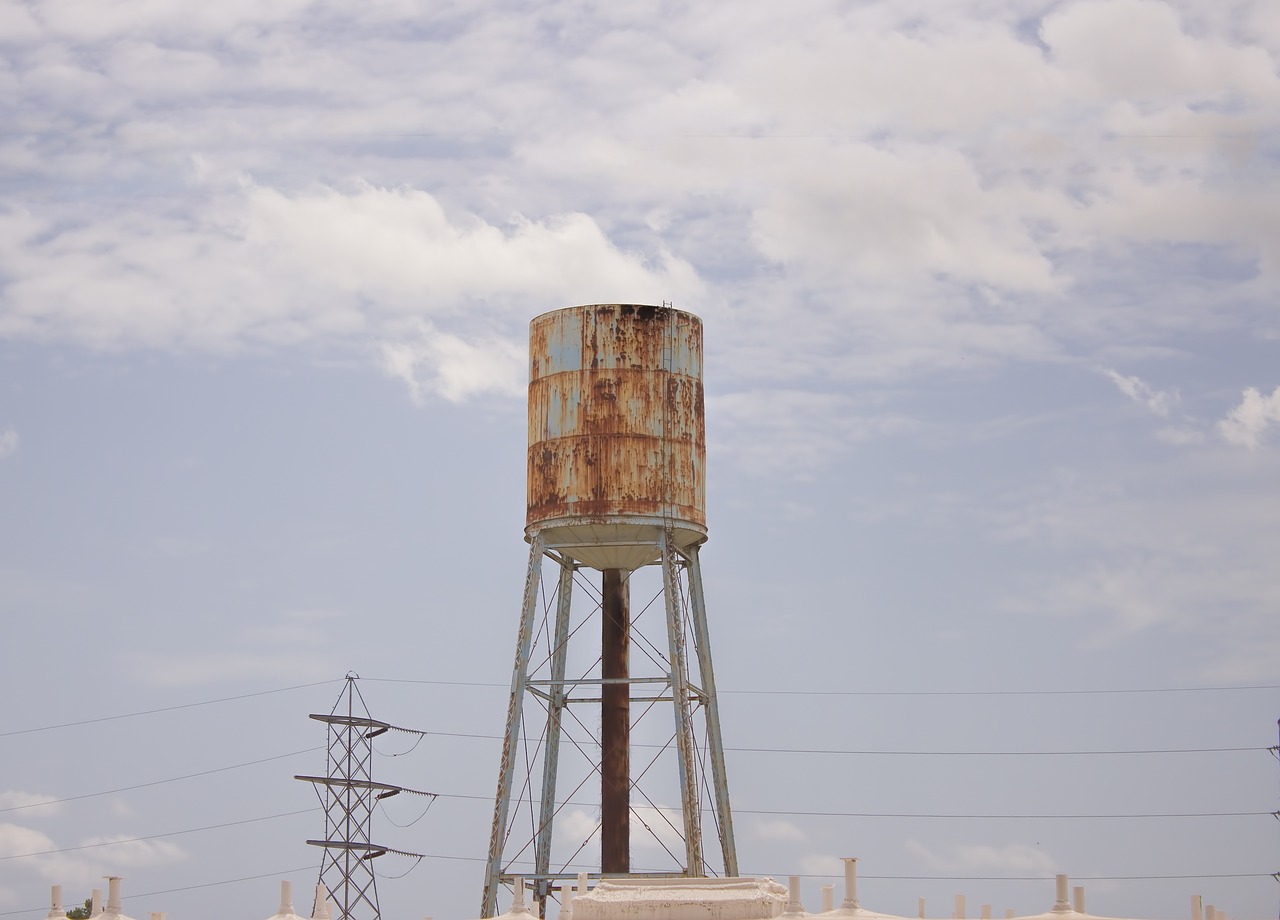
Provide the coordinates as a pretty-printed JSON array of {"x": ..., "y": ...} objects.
[{"x": 616, "y": 427}]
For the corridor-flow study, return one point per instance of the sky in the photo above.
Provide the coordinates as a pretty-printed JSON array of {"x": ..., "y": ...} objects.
[{"x": 993, "y": 418}]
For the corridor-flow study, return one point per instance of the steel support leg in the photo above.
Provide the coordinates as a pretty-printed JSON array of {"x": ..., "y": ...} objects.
[
  {"x": 515, "y": 708},
  {"x": 684, "y": 725},
  {"x": 551, "y": 753},
  {"x": 719, "y": 779}
]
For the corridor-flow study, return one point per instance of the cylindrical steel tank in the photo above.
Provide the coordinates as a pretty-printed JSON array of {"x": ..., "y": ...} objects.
[{"x": 617, "y": 443}]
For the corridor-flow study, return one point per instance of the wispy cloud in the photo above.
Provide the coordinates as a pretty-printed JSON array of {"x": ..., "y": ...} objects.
[
  {"x": 32, "y": 804},
  {"x": 127, "y": 851},
  {"x": 974, "y": 857},
  {"x": 1157, "y": 402},
  {"x": 778, "y": 830},
  {"x": 8, "y": 442},
  {"x": 41, "y": 854}
]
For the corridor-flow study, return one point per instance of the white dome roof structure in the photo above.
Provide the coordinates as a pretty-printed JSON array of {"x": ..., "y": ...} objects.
[
  {"x": 55, "y": 904},
  {"x": 1062, "y": 907},
  {"x": 849, "y": 907},
  {"x": 286, "y": 911},
  {"x": 321, "y": 910},
  {"x": 112, "y": 910}
]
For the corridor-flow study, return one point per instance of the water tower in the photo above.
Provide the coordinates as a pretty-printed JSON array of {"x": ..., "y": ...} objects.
[{"x": 616, "y": 498}]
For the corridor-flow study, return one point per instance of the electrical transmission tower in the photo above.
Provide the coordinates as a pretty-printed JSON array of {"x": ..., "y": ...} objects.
[{"x": 348, "y": 794}]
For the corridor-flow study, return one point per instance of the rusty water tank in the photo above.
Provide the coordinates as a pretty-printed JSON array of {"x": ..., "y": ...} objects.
[{"x": 617, "y": 443}]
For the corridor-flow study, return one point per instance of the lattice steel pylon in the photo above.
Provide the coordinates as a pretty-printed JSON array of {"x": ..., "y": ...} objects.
[{"x": 348, "y": 794}]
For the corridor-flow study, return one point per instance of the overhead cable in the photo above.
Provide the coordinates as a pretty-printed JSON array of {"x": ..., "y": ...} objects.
[
  {"x": 1047, "y": 878},
  {"x": 190, "y": 830},
  {"x": 160, "y": 782},
  {"x": 766, "y": 692},
  {"x": 776, "y": 692},
  {"x": 151, "y": 712},
  {"x": 885, "y": 814},
  {"x": 907, "y": 753}
]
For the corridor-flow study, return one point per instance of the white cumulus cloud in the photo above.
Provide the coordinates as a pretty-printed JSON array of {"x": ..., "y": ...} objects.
[
  {"x": 443, "y": 364},
  {"x": 779, "y": 829},
  {"x": 1245, "y": 425}
]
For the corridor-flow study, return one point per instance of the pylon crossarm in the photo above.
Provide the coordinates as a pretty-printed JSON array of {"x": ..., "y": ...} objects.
[
  {"x": 372, "y": 850},
  {"x": 360, "y": 721},
  {"x": 340, "y": 781}
]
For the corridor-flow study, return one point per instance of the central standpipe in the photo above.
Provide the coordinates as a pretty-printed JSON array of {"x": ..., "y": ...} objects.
[{"x": 615, "y": 723}]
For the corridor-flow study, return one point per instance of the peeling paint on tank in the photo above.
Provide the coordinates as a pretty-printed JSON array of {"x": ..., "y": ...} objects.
[{"x": 616, "y": 414}]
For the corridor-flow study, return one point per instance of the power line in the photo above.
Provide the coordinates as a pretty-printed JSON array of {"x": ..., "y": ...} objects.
[
  {"x": 940, "y": 815},
  {"x": 904, "y": 753},
  {"x": 250, "y": 763},
  {"x": 190, "y": 830},
  {"x": 150, "y": 712},
  {"x": 159, "y": 782},
  {"x": 757, "y": 692},
  {"x": 775, "y": 692},
  {"x": 1046, "y": 817},
  {"x": 1097, "y": 692},
  {"x": 1044, "y": 878},
  {"x": 908, "y": 753}
]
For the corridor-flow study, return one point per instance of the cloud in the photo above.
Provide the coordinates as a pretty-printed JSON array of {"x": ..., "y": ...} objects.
[
  {"x": 1180, "y": 436},
  {"x": 19, "y": 841},
  {"x": 897, "y": 213},
  {"x": 445, "y": 365},
  {"x": 935, "y": 186},
  {"x": 129, "y": 852},
  {"x": 42, "y": 854},
  {"x": 816, "y": 864},
  {"x": 31, "y": 803},
  {"x": 794, "y": 431},
  {"x": 1139, "y": 49},
  {"x": 8, "y": 442},
  {"x": 1246, "y": 424},
  {"x": 1176, "y": 555},
  {"x": 573, "y": 826},
  {"x": 256, "y": 267},
  {"x": 657, "y": 830},
  {"x": 779, "y": 830},
  {"x": 1157, "y": 402},
  {"x": 1011, "y": 858}
]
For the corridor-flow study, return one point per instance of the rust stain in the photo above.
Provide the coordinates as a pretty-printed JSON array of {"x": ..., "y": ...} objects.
[{"x": 616, "y": 422}]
